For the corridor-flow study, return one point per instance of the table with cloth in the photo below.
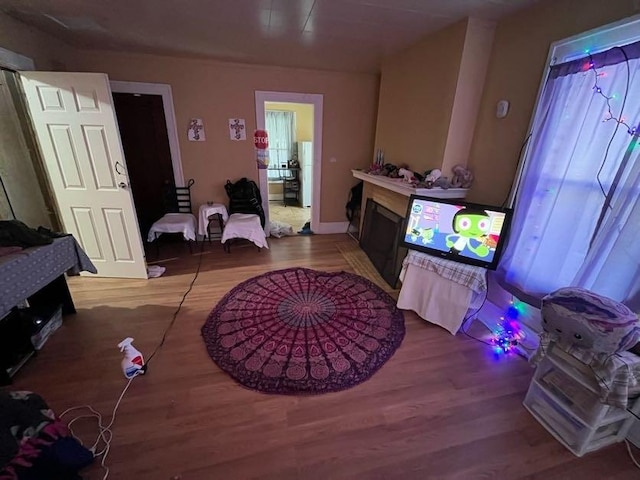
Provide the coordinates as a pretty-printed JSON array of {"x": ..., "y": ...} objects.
[
  {"x": 441, "y": 291},
  {"x": 37, "y": 275},
  {"x": 35, "y": 271},
  {"x": 205, "y": 212}
]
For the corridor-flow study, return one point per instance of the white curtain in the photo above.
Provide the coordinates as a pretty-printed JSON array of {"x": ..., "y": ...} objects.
[
  {"x": 281, "y": 130},
  {"x": 568, "y": 228},
  {"x": 612, "y": 266}
]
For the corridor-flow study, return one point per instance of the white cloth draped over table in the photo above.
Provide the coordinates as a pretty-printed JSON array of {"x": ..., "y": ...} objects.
[
  {"x": 206, "y": 211},
  {"x": 441, "y": 291},
  {"x": 27, "y": 271}
]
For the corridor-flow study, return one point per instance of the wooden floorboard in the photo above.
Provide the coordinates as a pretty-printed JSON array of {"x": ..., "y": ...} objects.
[{"x": 442, "y": 407}]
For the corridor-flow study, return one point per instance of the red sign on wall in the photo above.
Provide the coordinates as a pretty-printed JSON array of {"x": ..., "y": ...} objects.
[{"x": 261, "y": 139}]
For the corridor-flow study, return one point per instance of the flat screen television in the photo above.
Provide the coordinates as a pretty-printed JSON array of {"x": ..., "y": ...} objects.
[{"x": 460, "y": 231}]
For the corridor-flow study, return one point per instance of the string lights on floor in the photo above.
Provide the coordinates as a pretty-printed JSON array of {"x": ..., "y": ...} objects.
[{"x": 508, "y": 335}]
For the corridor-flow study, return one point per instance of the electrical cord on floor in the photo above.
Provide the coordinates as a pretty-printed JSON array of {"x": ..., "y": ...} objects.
[
  {"x": 465, "y": 331},
  {"x": 468, "y": 317},
  {"x": 175, "y": 314},
  {"x": 633, "y": 459},
  {"x": 105, "y": 434}
]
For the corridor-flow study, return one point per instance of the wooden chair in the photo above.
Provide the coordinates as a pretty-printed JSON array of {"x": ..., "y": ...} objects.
[{"x": 178, "y": 217}]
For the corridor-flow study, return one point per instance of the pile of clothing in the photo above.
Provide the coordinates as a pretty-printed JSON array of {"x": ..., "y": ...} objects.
[
  {"x": 34, "y": 443},
  {"x": 15, "y": 235}
]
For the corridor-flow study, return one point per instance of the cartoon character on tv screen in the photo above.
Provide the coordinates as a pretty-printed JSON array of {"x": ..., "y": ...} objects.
[
  {"x": 471, "y": 227},
  {"x": 424, "y": 234}
]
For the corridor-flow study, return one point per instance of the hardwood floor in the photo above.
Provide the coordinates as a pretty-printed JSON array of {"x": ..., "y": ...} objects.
[
  {"x": 441, "y": 408},
  {"x": 293, "y": 215}
]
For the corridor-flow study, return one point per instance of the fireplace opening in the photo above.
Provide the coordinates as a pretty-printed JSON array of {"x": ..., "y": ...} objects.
[{"x": 380, "y": 240}]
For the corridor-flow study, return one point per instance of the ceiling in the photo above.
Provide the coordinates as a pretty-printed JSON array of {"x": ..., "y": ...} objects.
[{"x": 347, "y": 35}]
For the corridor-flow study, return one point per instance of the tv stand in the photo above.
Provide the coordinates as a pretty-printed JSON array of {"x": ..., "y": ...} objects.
[{"x": 441, "y": 291}]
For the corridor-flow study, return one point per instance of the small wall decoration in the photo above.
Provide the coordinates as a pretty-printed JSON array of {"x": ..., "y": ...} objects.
[
  {"x": 261, "y": 142},
  {"x": 237, "y": 130},
  {"x": 196, "y": 130}
]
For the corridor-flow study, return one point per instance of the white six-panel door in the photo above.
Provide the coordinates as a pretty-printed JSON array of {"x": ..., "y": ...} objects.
[{"x": 76, "y": 128}]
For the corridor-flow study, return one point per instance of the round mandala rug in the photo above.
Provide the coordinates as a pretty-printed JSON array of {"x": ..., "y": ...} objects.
[{"x": 300, "y": 331}]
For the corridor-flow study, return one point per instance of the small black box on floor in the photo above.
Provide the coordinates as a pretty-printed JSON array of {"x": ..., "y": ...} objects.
[{"x": 43, "y": 321}]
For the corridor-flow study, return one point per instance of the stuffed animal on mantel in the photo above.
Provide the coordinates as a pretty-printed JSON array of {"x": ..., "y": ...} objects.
[
  {"x": 577, "y": 318},
  {"x": 408, "y": 175},
  {"x": 462, "y": 177},
  {"x": 431, "y": 177},
  {"x": 434, "y": 179}
]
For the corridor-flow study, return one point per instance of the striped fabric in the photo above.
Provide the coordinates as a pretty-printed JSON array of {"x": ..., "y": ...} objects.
[
  {"x": 472, "y": 277},
  {"x": 617, "y": 375}
]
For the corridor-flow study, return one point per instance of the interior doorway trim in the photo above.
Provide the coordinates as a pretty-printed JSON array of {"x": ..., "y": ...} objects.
[
  {"x": 163, "y": 90},
  {"x": 316, "y": 100}
]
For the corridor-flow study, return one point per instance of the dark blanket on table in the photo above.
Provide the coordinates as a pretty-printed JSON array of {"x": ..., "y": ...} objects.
[
  {"x": 34, "y": 444},
  {"x": 14, "y": 233}
]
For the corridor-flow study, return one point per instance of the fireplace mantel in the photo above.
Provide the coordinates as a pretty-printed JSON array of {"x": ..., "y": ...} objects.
[
  {"x": 398, "y": 185},
  {"x": 394, "y": 193}
]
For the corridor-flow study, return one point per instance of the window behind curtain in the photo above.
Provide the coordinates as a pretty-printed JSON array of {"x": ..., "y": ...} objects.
[
  {"x": 281, "y": 130},
  {"x": 579, "y": 195}
]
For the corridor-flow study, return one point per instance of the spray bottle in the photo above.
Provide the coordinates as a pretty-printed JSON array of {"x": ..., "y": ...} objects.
[{"x": 132, "y": 363}]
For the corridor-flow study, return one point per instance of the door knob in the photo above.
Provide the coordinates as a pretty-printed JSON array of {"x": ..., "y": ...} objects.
[{"x": 122, "y": 185}]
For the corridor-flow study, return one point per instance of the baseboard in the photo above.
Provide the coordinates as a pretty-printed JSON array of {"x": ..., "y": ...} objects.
[{"x": 325, "y": 228}]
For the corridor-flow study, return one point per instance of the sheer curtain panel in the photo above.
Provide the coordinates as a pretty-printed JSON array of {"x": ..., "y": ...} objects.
[
  {"x": 281, "y": 130},
  {"x": 577, "y": 217}
]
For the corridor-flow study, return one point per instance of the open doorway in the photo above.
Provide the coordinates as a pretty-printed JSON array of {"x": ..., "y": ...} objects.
[
  {"x": 145, "y": 142},
  {"x": 292, "y": 181},
  {"x": 146, "y": 123},
  {"x": 290, "y": 172}
]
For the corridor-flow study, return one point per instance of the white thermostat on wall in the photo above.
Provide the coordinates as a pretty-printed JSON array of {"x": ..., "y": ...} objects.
[{"x": 502, "y": 108}]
